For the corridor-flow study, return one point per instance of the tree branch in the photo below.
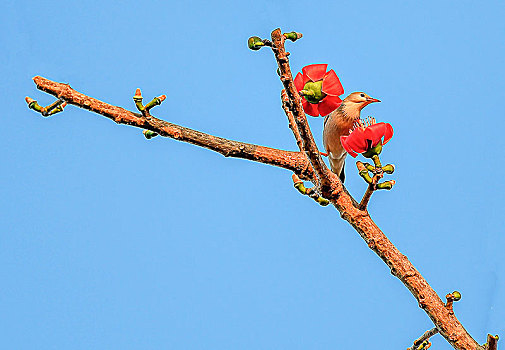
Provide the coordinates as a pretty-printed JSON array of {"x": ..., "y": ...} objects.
[
  {"x": 328, "y": 183},
  {"x": 425, "y": 337},
  {"x": 286, "y": 105},
  {"x": 297, "y": 162},
  {"x": 492, "y": 342},
  {"x": 333, "y": 190},
  {"x": 309, "y": 145}
]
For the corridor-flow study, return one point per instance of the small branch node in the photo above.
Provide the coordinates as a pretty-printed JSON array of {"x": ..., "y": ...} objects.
[
  {"x": 452, "y": 297},
  {"x": 155, "y": 102},
  {"x": 388, "y": 168},
  {"x": 137, "y": 98},
  {"x": 377, "y": 170},
  {"x": 148, "y": 134},
  {"x": 423, "y": 342},
  {"x": 293, "y": 36},
  {"x": 285, "y": 78},
  {"x": 255, "y": 43},
  {"x": 55, "y": 107},
  {"x": 298, "y": 184},
  {"x": 387, "y": 185},
  {"x": 492, "y": 342}
]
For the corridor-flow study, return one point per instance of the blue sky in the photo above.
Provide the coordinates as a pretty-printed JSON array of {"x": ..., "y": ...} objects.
[{"x": 110, "y": 241}]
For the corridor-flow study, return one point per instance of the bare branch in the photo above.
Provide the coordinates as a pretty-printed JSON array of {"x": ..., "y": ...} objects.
[
  {"x": 424, "y": 339},
  {"x": 309, "y": 145},
  {"x": 492, "y": 342},
  {"x": 309, "y": 191},
  {"x": 286, "y": 105},
  {"x": 297, "y": 162},
  {"x": 327, "y": 183}
]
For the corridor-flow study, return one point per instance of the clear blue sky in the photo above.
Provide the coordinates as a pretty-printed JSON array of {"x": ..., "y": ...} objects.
[{"x": 110, "y": 241}]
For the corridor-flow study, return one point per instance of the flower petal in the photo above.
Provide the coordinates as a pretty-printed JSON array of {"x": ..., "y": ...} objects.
[
  {"x": 315, "y": 71},
  {"x": 299, "y": 82},
  {"x": 375, "y": 133},
  {"x": 331, "y": 84},
  {"x": 310, "y": 108},
  {"x": 329, "y": 104},
  {"x": 388, "y": 134},
  {"x": 357, "y": 141},
  {"x": 346, "y": 147}
]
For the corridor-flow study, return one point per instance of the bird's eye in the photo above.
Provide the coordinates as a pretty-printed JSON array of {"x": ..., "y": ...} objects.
[{"x": 362, "y": 95}]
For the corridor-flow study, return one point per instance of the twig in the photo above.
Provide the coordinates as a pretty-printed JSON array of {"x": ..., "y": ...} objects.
[
  {"x": 55, "y": 107},
  {"x": 492, "y": 342},
  {"x": 451, "y": 297},
  {"x": 297, "y": 162},
  {"x": 309, "y": 191},
  {"x": 373, "y": 182},
  {"x": 286, "y": 106},
  {"x": 447, "y": 323},
  {"x": 425, "y": 337},
  {"x": 366, "y": 197},
  {"x": 309, "y": 145}
]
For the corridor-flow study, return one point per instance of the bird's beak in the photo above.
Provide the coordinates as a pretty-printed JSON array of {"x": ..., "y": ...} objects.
[{"x": 371, "y": 100}]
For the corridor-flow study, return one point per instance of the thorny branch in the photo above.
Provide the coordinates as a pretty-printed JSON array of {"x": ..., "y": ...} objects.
[{"x": 306, "y": 164}]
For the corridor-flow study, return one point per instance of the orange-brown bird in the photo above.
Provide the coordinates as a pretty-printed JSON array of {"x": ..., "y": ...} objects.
[{"x": 339, "y": 123}]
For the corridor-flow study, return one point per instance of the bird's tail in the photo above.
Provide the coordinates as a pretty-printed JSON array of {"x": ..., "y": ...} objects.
[{"x": 338, "y": 167}]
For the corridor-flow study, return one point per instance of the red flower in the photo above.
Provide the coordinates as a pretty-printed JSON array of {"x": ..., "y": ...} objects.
[
  {"x": 320, "y": 89},
  {"x": 366, "y": 135}
]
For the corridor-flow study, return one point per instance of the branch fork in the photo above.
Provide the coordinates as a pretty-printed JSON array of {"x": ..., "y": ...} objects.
[
  {"x": 306, "y": 164},
  {"x": 423, "y": 342},
  {"x": 55, "y": 107},
  {"x": 377, "y": 171}
]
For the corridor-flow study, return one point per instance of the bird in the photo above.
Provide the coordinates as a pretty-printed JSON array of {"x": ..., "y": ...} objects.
[{"x": 339, "y": 123}]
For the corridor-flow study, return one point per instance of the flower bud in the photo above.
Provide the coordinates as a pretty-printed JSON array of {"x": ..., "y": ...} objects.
[
  {"x": 293, "y": 36},
  {"x": 386, "y": 185},
  {"x": 388, "y": 168},
  {"x": 255, "y": 43},
  {"x": 149, "y": 134}
]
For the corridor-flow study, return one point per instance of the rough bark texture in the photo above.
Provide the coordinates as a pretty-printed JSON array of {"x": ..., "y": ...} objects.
[
  {"x": 309, "y": 166},
  {"x": 331, "y": 188},
  {"x": 294, "y": 161}
]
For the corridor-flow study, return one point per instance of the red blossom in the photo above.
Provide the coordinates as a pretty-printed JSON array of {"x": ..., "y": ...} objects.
[
  {"x": 331, "y": 89},
  {"x": 363, "y": 138}
]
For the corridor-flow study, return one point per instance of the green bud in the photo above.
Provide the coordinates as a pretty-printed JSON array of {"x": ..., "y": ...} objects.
[
  {"x": 312, "y": 91},
  {"x": 388, "y": 168},
  {"x": 364, "y": 174},
  {"x": 36, "y": 107},
  {"x": 386, "y": 185},
  {"x": 149, "y": 134},
  {"x": 322, "y": 201},
  {"x": 423, "y": 345},
  {"x": 293, "y": 36},
  {"x": 255, "y": 43},
  {"x": 369, "y": 167},
  {"x": 456, "y": 295},
  {"x": 300, "y": 187}
]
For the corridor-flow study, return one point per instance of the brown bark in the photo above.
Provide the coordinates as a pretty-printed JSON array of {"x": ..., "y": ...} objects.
[
  {"x": 294, "y": 161},
  {"x": 331, "y": 188},
  {"x": 308, "y": 166},
  {"x": 309, "y": 145}
]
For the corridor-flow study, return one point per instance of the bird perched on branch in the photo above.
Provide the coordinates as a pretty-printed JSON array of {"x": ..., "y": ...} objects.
[{"x": 339, "y": 123}]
